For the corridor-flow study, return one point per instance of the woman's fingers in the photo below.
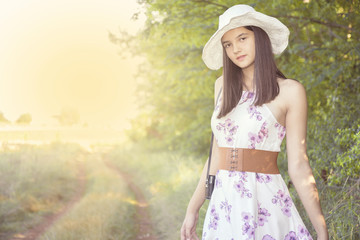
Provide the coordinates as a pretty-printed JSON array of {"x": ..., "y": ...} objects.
[
  {"x": 188, "y": 233},
  {"x": 183, "y": 234},
  {"x": 195, "y": 236}
]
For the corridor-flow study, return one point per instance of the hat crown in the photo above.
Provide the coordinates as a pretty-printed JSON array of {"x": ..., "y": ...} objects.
[{"x": 234, "y": 11}]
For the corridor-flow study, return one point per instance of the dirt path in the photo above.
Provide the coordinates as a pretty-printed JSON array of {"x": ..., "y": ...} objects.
[
  {"x": 142, "y": 217},
  {"x": 48, "y": 221}
]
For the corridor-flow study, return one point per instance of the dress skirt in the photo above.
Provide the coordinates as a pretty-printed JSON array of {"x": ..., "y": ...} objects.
[{"x": 248, "y": 205}]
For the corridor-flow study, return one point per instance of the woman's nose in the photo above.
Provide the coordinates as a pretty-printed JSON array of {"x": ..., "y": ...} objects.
[{"x": 236, "y": 48}]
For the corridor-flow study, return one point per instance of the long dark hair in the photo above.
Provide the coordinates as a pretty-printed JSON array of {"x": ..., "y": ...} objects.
[{"x": 265, "y": 75}]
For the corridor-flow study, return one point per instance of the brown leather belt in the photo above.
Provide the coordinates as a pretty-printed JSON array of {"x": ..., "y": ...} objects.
[{"x": 248, "y": 160}]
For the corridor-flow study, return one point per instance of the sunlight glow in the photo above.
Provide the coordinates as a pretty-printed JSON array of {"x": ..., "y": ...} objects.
[{"x": 57, "y": 54}]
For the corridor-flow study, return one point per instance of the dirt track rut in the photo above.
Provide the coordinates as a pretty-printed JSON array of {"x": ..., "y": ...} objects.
[
  {"x": 48, "y": 221},
  {"x": 142, "y": 216}
]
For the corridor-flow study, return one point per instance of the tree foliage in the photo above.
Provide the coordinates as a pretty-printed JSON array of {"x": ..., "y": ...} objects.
[
  {"x": 24, "y": 119},
  {"x": 3, "y": 119},
  {"x": 68, "y": 117}
]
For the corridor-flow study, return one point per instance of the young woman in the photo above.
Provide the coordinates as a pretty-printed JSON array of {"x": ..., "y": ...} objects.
[{"x": 257, "y": 105}]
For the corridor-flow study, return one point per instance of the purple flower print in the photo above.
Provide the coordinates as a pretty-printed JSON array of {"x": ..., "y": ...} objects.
[
  {"x": 252, "y": 139},
  {"x": 229, "y": 140},
  {"x": 220, "y": 127},
  {"x": 246, "y": 96},
  {"x": 246, "y": 216},
  {"x": 229, "y": 128},
  {"x": 252, "y": 110},
  {"x": 284, "y": 201},
  {"x": 291, "y": 236},
  {"x": 227, "y": 208},
  {"x": 218, "y": 183},
  {"x": 286, "y": 211},
  {"x": 260, "y": 137},
  {"x": 281, "y": 131},
  {"x": 239, "y": 185},
  {"x": 249, "y": 225},
  {"x": 228, "y": 123},
  {"x": 261, "y": 220},
  {"x": 288, "y": 201},
  {"x": 214, "y": 218},
  {"x": 303, "y": 233},
  {"x": 240, "y": 188},
  {"x": 243, "y": 176},
  {"x": 249, "y": 231},
  {"x": 264, "y": 131},
  {"x": 263, "y": 178},
  {"x": 263, "y": 215},
  {"x": 250, "y": 95},
  {"x": 233, "y": 130},
  {"x": 213, "y": 224},
  {"x": 232, "y": 173},
  {"x": 268, "y": 237}
]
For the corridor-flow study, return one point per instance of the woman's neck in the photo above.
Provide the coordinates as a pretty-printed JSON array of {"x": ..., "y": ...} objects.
[{"x": 248, "y": 79}]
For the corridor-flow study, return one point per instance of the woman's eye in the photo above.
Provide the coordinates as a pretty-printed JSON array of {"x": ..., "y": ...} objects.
[
  {"x": 242, "y": 39},
  {"x": 227, "y": 45}
]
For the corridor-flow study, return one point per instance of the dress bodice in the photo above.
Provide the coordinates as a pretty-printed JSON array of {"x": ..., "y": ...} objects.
[{"x": 247, "y": 126}]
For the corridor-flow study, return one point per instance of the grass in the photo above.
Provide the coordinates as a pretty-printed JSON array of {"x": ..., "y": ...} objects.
[
  {"x": 169, "y": 179},
  {"x": 27, "y": 179}
]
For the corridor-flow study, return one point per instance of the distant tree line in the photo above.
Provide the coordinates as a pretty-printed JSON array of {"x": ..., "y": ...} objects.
[
  {"x": 67, "y": 117},
  {"x": 23, "y": 119}
]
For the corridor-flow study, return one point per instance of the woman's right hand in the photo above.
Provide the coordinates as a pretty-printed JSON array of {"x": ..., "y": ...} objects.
[{"x": 188, "y": 229}]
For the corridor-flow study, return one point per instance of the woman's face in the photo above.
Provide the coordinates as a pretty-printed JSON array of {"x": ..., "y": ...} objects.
[{"x": 239, "y": 44}]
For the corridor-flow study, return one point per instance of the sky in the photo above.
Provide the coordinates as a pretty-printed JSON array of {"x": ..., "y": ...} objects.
[{"x": 56, "y": 54}]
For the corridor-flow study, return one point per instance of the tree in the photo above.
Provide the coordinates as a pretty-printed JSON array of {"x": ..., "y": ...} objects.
[
  {"x": 68, "y": 117},
  {"x": 24, "y": 119},
  {"x": 3, "y": 119}
]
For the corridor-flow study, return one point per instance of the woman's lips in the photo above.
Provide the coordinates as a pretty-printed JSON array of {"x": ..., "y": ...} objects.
[{"x": 240, "y": 58}]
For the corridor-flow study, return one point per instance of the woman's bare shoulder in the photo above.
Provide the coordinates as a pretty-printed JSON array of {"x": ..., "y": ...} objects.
[
  {"x": 292, "y": 92},
  {"x": 219, "y": 83},
  {"x": 218, "y": 87},
  {"x": 291, "y": 88}
]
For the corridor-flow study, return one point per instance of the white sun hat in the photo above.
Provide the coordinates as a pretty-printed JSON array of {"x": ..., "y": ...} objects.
[{"x": 240, "y": 16}]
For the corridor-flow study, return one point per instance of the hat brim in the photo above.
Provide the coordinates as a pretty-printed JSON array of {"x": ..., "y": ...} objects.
[{"x": 276, "y": 30}]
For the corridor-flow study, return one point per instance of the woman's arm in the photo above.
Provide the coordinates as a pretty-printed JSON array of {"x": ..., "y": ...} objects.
[
  {"x": 298, "y": 164},
  {"x": 188, "y": 229}
]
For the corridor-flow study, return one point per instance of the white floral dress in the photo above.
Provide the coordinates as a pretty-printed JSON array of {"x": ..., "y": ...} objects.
[{"x": 249, "y": 205}]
